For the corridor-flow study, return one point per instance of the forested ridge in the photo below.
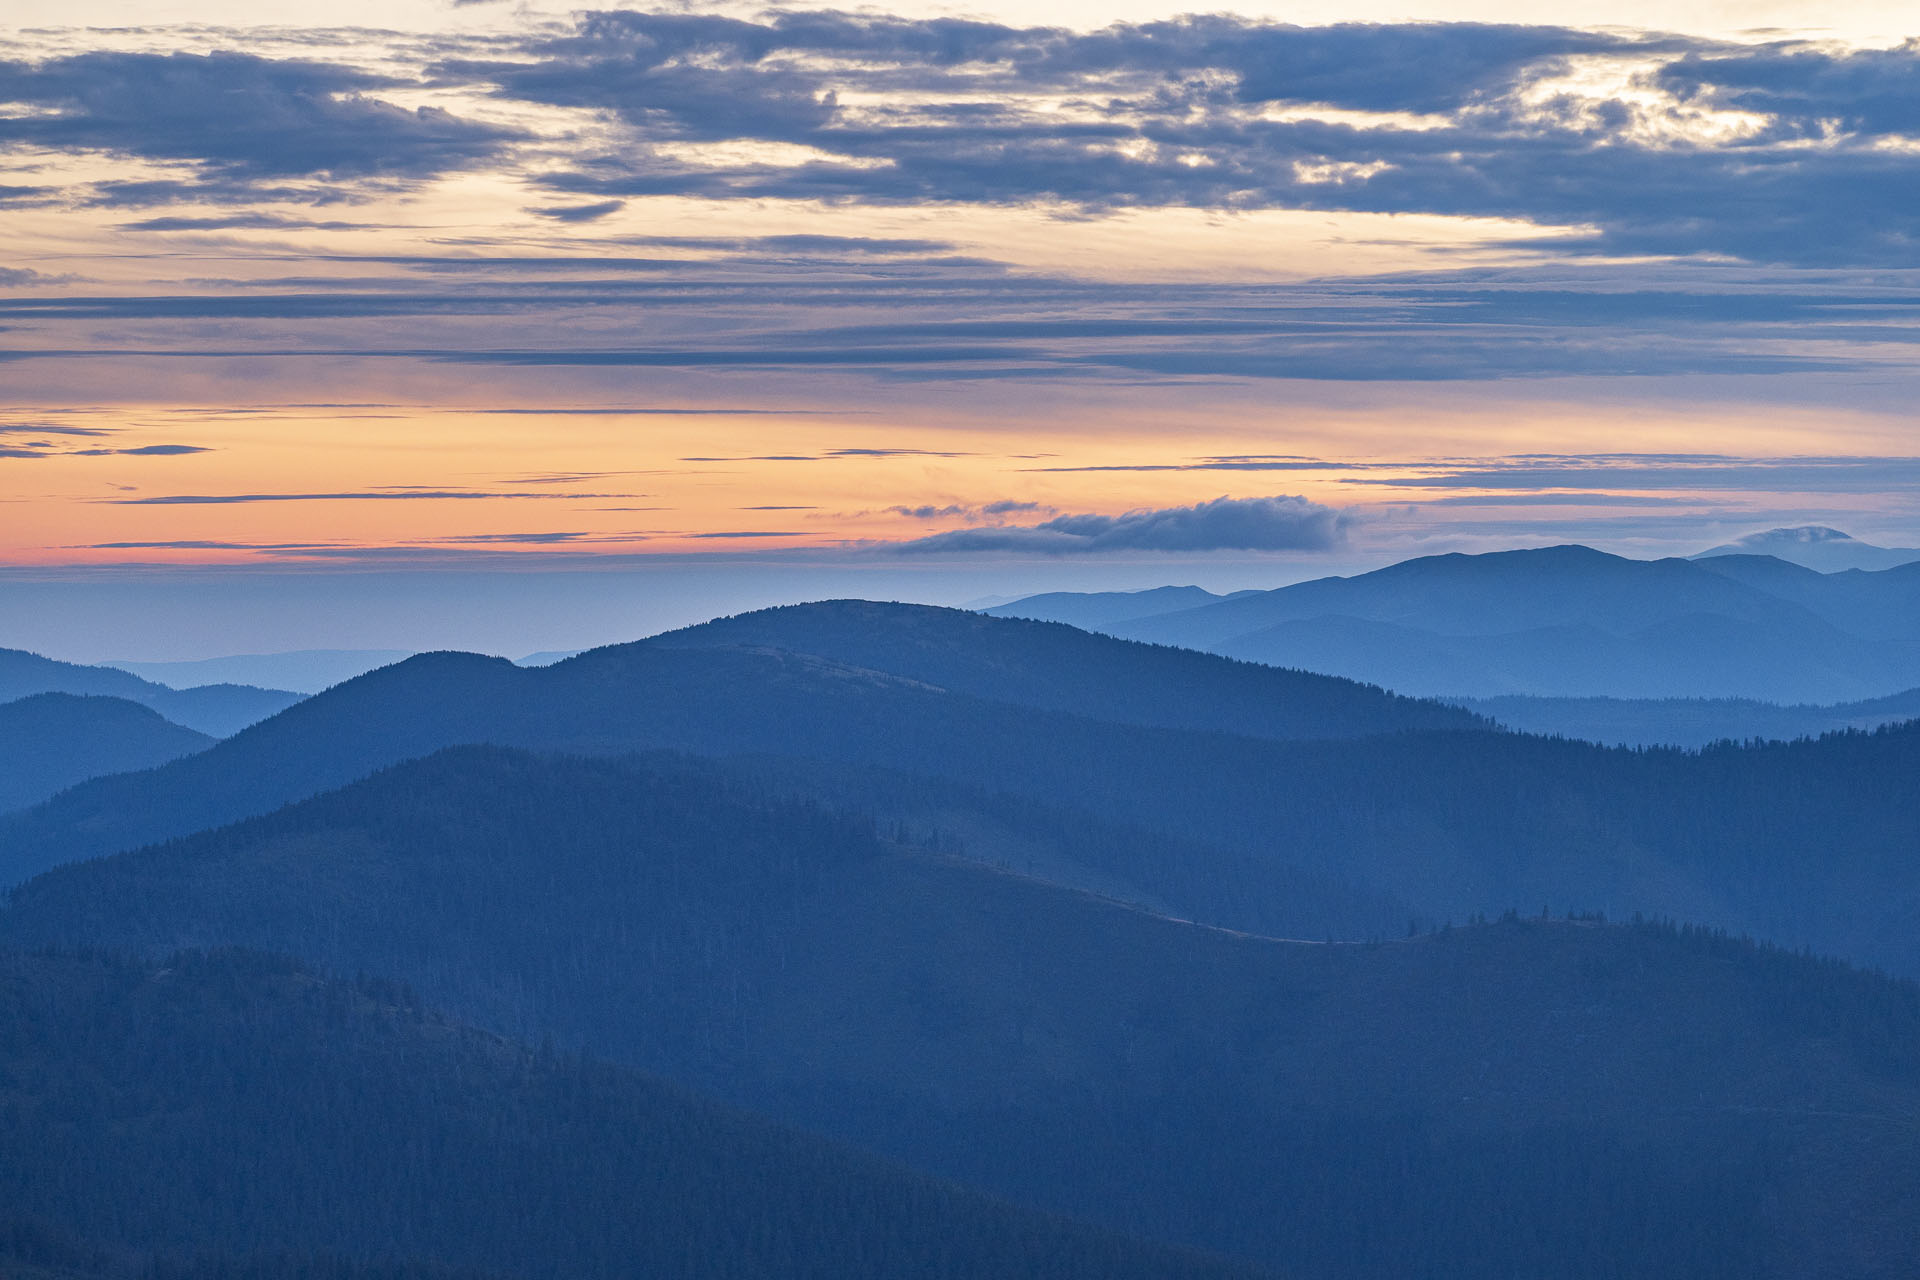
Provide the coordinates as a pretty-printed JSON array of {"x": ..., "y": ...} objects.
[
  {"x": 1340, "y": 1006},
  {"x": 1641, "y": 1097},
  {"x": 230, "y": 1105},
  {"x": 1802, "y": 843}
]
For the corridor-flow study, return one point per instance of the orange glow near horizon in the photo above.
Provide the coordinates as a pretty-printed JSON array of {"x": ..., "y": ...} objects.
[{"x": 588, "y": 485}]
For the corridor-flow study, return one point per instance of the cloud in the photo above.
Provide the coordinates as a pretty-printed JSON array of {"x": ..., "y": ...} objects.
[
  {"x": 1840, "y": 474},
  {"x": 59, "y": 446},
  {"x": 980, "y": 511},
  {"x": 197, "y": 544},
  {"x": 1282, "y": 523},
  {"x": 143, "y": 451},
  {"x": 1247, "y": 462},
  {"x": 365, "y": 495},
  {"x": 245, "y": 119},
  {"x": 1809, "y": 89},
  {"x": 1452, "y": 118},
  {"x": 678, "y": 411},
  {"x": 239, "y": 222},
  {"x": 1465, "y": 119},
  {"x": 15, "y": 277},
  {"x": 582, "y": 212},
  {"x": 830, "y": 454}
]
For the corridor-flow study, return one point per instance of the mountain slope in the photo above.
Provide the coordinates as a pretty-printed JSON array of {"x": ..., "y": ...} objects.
[
  {"x": 1574, "y": 622},
  {"x": 1816, "y": 547},
  {"x": 1484, "y": 595},
  {"x": 51, "y": 741},
  {"x": 303, "y": 670},
  {"x": 1093, "y": 610},
  {"x": 1881, "y": 605},
  {"x": 1689, "y": 722},
  {"x": 1785, "y": 842},
  {"x": 1060, "y": 668},
  {"x": 217, "y": 710},
  {"x": 238, "y": 1104},
  {"x": 1647, "y": 1102}
]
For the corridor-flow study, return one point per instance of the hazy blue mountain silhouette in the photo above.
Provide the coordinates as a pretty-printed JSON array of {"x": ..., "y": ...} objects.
[
  {"x": 219, "y": 709},
  {"x": 1062, "y": 668},
  {"x": 1574, "y": 622},
  {"x": 715, "y": 702},
  {"x": 1804, "y": 844},
  {"x": 50, "y": 741},
  {"x": 1650, "y": 1103},
  {"x": 236, "y": 1104},
  {"x": 1091, "y": 610},
  {"x": 302, "y": 670},
  {"x": 1816, "y": 547},
  {"x": 1881, "y": 605}
]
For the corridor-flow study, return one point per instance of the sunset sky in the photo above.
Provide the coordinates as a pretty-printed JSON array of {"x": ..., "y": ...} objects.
[{"x": 515, "y": 326}]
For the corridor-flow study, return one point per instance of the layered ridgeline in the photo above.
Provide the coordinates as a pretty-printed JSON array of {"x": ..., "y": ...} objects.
[
  {"x": 52, "y": 740},
  {"x": 209, "y": 1109},
  {"x": 302, "y": 670},
  {"x": 1805, "y": 844},
  {"x": 1689, "y": 722},
  {"x": 1525, "y": 1098},
  {"x": 871, "y": 703},
  {"x": 1570, "y": 622},
  {"x": 214, "y": 709}
]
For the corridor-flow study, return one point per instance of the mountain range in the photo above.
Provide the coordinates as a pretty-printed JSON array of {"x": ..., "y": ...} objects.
[
  {"x": 1568, "y": 622},
  {"x": 1816, "y": 547},
  {"x": 1393, "y": 800},
  {"x": 53, "y": 740},
  {"x": 869, "y": 939},
  {"x": 218, "y": 710},
  {"x": 301, "y": 670},
  {"x": 1650, "y": 1101}
]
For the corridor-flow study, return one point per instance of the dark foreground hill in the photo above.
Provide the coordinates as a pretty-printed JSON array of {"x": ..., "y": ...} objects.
[
  {"x": 235, "y": 1104},
  {"x": 1522, "y": 1099},
  {"x": 52, "y": 740},
  {"x": 34, "y": 1249},
  {"x": 1574, "y": 622},
  {"x": 217, "y": 710},
  {"x": 1804, "y": 844},
  {"x": 1056, "y": 667}
]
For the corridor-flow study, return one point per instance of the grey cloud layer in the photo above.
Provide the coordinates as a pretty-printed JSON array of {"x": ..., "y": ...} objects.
[
  {"x": 932, "y": 320},
  {"x": 903, "y": 110},
  {"x": 246, "y": 120},
  {"x": 1173, "y": 113}
]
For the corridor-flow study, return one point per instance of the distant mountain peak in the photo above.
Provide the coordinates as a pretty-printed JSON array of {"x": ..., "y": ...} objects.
[
  {"x": 1815, "y": 546},
  {"x": 1800, "y": 534}
]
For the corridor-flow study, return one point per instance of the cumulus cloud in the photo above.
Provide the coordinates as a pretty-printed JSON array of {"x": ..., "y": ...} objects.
[{"x": 1281, "y": 523}]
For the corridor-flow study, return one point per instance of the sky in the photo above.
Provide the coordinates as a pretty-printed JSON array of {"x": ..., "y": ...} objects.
[{"x": 520, "y": 326}]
